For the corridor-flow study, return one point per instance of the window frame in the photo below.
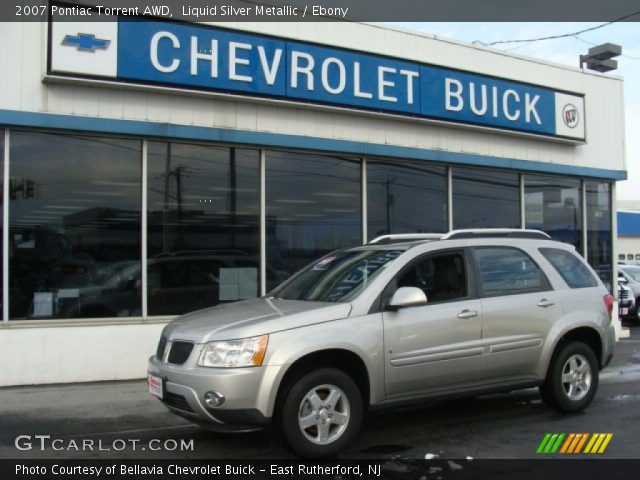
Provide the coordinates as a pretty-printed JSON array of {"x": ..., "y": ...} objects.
[
  {"x": 459, "y": 169},
  {"x": 82, "y": 135},
  {"x": 545, "y": 285},
  {"x": 398, "y": 162},
  {"x": 391, "y": 287}
]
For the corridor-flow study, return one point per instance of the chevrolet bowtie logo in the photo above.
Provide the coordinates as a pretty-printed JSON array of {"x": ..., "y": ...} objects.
[{"x": 86, "y": 42}]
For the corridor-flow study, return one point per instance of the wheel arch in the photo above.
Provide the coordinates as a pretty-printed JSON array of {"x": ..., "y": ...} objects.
[
  {"x": 584, "y": 334},
  {"x": 342, "y": 359}
]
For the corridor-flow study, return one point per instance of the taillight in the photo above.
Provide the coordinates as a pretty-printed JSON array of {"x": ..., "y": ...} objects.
[{"x": 608, "y": 302}]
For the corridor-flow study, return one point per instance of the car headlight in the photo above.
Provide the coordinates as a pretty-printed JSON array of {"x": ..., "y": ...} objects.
[{"x": 245, "y": 352}]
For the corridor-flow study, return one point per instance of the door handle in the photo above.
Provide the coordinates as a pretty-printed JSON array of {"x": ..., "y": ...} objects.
[
  {"x": 544, "y": 303},
  {"x": 467, "y": 314}
]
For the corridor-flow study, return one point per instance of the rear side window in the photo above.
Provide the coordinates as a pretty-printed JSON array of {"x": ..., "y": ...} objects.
[
  {"x": 571, "y": 269},
  {"x": 507, "y": 271}
]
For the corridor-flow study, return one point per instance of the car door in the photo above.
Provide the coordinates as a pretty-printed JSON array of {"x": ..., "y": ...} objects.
[
  {"x": 518, "y": 308},
  {"x": 437, "y": 345}
]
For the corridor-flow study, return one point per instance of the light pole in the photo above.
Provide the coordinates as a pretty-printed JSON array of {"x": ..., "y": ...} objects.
[{"x": 599, "y": 58}]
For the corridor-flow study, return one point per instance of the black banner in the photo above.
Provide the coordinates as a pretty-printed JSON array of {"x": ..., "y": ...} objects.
[
  {"x": 326, "y": 10},
  {"x": 436, "y": 469}
]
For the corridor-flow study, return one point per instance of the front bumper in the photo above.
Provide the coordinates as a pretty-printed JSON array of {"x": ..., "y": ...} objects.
[{"x": 184, "y": 388}]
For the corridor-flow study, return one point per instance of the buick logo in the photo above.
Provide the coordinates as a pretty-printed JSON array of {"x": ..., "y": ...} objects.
[{"x": 570, "y": 115}]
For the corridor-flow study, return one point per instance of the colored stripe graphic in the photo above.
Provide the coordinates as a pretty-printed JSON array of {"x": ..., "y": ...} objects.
[
  {"x": 607, "y": 439},
  {"x": 556, "y": 445},
  {"x": 565, "y": 447},
  {"x": 579, "y": 440},
  {"x": 543, "y": 443},
  {"x": 574, "y": 443},
  {"x": 550, "y": 443},
  {"x": 582, "y": 441},
  {"x": 598, "y": 443}
]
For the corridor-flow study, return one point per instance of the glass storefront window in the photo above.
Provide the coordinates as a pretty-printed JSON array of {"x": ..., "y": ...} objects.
[
  {"x": 313, "y": 206},
  {"x": 485, "y": 198},
  {"x": 203, "y": 221},
  {"x": 599, "y": 229},
  {"x": 554, "y": 205},
  {"x": 75, "y": 221},
  {"x": 405, "y": 197},
  {"x": 74, "y": 218}
]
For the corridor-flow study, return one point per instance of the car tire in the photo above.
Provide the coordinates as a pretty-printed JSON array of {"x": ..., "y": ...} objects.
[
  {"x": 321, "y": 413},
  {"x": 572, "y": 378}
]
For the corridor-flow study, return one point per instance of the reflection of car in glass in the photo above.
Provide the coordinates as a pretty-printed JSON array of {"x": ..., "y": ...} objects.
[
  {"x": 67, "y": 265},
  {"x": 629, "y": 275},
  {"x": 385, "y": 325},
  {"x": 177, "y": 283},
  {"x": 41, "y": 258}
]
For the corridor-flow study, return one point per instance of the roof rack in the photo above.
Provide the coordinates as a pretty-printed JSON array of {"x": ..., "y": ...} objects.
[
  {"x": 461, "y": 234},
  {"x": 405, "y": 237},
  {"x": 496, "y": 232}
]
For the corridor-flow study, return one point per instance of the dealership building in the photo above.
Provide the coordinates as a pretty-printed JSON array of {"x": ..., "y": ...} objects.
[
  {"x": 151, "y": 168},
  {"x": 628, "y": 241}
]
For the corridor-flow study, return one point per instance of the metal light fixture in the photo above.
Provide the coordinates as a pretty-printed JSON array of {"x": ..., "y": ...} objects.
[{"x": 599, "y": 58}]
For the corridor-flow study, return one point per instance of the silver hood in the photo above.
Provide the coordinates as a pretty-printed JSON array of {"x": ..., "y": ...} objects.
[{"x": 250, "y": 318}]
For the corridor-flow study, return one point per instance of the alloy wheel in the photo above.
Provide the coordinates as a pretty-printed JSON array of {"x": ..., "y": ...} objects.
[{"x": 324, "y": 414}]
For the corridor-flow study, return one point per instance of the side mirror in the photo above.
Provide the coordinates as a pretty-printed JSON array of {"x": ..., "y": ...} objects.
[{"x": 407, "y": 297}]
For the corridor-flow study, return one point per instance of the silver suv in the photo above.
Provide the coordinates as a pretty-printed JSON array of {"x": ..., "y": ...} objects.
[{"x": 401, "y": 320}]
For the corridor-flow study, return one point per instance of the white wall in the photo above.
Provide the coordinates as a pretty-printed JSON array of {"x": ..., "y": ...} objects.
[
  {"x": 629, "y": 245},
  {"x": 50, "y": 354}
]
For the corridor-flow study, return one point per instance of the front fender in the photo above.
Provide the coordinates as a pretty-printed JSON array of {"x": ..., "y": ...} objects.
[{"x": 362, "y": 336}]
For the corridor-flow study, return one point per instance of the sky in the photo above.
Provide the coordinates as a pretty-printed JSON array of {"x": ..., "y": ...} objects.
[{"x": 566, "y": 51}]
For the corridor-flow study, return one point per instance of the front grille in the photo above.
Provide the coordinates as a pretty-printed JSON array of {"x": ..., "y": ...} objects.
[
  {"x": 179, "y": 352},
  {"x": 624, "y": 294},
  {"x": 161, "y": 345},
  {"x": 176, "y": 401}
]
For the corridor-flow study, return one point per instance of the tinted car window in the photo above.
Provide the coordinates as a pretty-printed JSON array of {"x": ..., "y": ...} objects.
[
  {"x": 440, "y": 277},
  {"x": 571, "y": 269},
  {"x": 337, "y": 277},
  {"x": 506, "y": 271}
]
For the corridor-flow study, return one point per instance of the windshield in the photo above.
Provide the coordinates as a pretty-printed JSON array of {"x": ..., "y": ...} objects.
[
  {"x": 338, "y": 277},
  {"x": 634, "y": 273}
]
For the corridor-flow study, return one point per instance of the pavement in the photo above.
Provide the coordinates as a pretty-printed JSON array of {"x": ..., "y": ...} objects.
[{"x": 120, "y": 420}]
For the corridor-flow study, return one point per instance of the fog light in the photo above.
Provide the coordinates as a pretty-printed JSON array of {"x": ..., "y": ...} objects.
[{"x": 213, "y": 399}]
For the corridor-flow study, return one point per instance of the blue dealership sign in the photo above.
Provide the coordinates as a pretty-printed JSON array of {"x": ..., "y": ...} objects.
[
  {"x": 213, "y": 59},
  {"x": 186, "y": 55},
  {"x": 475, "y": 99}
]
